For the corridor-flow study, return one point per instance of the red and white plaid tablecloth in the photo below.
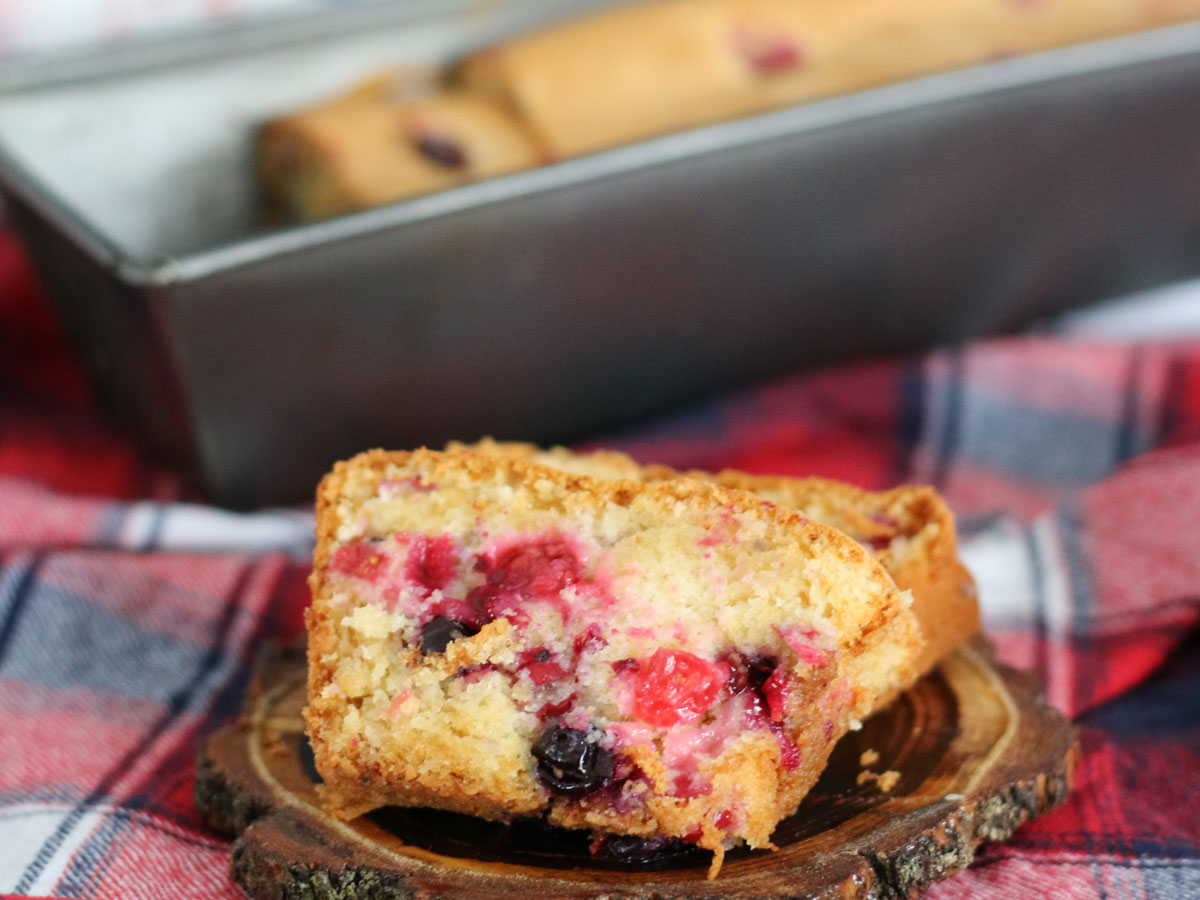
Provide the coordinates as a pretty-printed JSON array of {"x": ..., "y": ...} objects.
[{"x": 129, "y": 617}]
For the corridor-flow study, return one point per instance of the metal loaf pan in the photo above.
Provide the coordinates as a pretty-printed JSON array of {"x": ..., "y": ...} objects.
[{"x": 581, "y": 295}]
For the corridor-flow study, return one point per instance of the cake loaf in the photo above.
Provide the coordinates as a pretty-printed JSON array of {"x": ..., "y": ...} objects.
[
  {"x": 645, "y": 69},
  {"x": 368, "y": 149},
  {"x": 667, "y": 660},
  {"x": 650, "y": 68}
]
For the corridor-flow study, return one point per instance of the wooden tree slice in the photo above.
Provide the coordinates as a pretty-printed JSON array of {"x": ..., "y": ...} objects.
[{"x": 975, "y": 750}]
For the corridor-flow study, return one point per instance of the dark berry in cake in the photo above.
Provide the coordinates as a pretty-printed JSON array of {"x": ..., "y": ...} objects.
[
  {"x": 571, "y": 762},
  {"x": 634, "y": 850},
  {"x": 749, "y": 672},
  {"x": 440, "y": 631},
  {"x": 442, "y": 150}
]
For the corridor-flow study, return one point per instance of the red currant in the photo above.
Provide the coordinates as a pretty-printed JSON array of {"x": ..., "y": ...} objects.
[
  {"x": 362, "y": 559},
  {"x": 674, "y": 687}
]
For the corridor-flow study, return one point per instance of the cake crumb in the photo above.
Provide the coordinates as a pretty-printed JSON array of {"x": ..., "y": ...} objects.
[
  {"x": 884, "y": 782},
  {"x": 868, "y": 758},
  {"x": 888, "y": 780}
]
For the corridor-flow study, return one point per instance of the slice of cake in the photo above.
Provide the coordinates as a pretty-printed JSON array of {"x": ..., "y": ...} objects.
[
  {"x": 909, "y": 529},
  {"x": 665, "y": 660}
]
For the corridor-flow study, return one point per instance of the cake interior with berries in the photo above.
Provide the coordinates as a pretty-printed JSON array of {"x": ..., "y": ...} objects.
[
  {"x": 670, "y": 661},
  {"x": 909, "y": 528}
]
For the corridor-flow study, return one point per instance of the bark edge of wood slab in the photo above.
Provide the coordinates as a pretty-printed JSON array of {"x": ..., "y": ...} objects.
[{"x": 977, "y": 750}]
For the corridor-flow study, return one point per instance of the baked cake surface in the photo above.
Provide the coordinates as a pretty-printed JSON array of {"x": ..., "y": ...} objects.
[
  {"x": 667, "y": 660},
  {"x": 649, "y": 68}
]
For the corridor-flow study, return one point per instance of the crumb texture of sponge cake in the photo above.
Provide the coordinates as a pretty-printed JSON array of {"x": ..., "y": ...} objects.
[
  {"x": 501, "y": 638},
  {"x": 909, "y": 529}
]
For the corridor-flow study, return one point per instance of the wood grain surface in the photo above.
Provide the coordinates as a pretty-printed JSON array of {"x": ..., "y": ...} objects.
[{"x": 975, "y": 750}]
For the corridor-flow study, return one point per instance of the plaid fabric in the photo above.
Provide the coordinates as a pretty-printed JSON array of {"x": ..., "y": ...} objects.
[{"x": 128, "y": 617}]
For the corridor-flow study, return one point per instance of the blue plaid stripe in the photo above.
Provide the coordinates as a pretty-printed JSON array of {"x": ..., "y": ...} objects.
[
  {"x": 65, "y": 641},
  {"x": 151, "y": 796},
  {"x": 1055, "y": 447},
  {"x": 17, "y": 580},
  {"x": 1170, "y": 879},
  {"x": 183, "y": 693},
  {"x": 103, "y": 843}
]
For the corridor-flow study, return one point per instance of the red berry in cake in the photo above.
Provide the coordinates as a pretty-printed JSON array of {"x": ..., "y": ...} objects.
[
  {"x": 878, "y": 543},
  {"x": 432, "y": 561},
  {"x": 572, "y": 762},
  {"x": 541, "y": 666},
  {"x": 775, "y": 690},
  {"x": 361, "y": 559},
  {"x": 529, "y": 571},
  {"x": 556, "y": 708},
  {"x": 767, "y": 54},
  {"x": 589, "y": 640},
  {"x": 540, "y": 567},
  {"x": 675, "y": 687},
  {"x": 804, "y": 642},
  {"x": 789, "y": 753}
]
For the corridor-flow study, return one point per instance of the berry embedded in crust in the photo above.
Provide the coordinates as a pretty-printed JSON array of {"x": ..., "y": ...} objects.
[{"x": 663, "y": 662}]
